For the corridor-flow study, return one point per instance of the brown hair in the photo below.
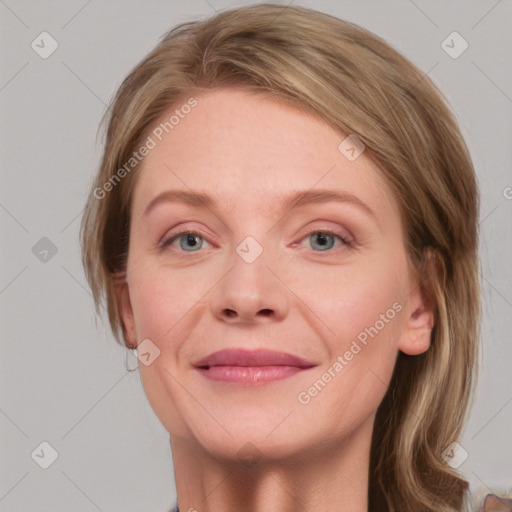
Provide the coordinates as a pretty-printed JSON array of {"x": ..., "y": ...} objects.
[{"x": 359, "y": 84}]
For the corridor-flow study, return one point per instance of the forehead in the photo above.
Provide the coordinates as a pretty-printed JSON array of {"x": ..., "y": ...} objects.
[{"x": 248, "y": 150}]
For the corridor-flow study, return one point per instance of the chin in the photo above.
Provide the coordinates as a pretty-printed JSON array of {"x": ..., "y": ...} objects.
[
  {"x": 249, "y": 448},
  {"x": 271, "y": 434}
]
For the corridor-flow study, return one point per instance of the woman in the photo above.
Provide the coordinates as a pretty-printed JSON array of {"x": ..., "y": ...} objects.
[{"x": 284, "y": 225}]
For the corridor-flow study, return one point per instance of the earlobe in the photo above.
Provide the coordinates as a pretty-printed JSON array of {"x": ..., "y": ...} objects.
[{"x": 126, "y": 312}]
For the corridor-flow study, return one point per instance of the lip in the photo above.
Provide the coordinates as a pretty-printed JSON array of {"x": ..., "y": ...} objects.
[{"x": 251, "y": 367}]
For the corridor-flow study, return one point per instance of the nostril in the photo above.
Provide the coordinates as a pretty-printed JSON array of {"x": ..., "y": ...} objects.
[
  {"x": 266, "y": 312},
  {"x": 230, "y": 313}
]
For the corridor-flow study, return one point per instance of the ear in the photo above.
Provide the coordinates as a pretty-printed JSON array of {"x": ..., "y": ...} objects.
[
  {"x": 417, "y": 334},
  {"x": 126, "y": 312},
  {"x": 416, "y": 337}
]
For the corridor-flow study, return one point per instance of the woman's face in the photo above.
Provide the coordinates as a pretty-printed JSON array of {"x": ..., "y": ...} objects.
[{"x": 262, "y": 274}]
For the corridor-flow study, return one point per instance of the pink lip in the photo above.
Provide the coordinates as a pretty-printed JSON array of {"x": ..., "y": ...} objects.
[{"x": 251, "y": 367}]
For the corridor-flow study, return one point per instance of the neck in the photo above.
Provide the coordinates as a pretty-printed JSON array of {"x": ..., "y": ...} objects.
[{"x": 329, "y": 476}]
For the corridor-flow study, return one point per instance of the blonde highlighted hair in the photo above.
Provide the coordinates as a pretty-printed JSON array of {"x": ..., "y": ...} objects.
[{"x": 359, "y": 84}]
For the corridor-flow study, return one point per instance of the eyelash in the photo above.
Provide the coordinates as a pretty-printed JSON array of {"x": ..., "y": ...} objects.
[{"x": 346, "y": 242}]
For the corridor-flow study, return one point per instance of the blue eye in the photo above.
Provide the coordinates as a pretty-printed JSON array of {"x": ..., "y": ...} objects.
[
  {"x": 324, "y": 239},
  {"x": 190, "y": 241}
]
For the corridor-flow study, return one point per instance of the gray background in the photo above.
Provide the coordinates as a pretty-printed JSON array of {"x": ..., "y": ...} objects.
[{"x": 63, "y": 378}]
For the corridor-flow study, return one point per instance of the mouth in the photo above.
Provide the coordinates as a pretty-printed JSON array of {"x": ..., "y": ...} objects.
[{"x": 251, "y": 368}]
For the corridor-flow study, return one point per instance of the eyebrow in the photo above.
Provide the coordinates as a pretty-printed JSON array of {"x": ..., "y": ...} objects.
[{"x": 296, "y": 200}]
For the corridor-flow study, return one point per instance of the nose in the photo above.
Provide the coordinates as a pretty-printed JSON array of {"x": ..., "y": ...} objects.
[{"x": 250, "y": 292}]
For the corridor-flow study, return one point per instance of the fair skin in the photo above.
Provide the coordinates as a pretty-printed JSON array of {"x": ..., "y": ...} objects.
[{"x": 304, "y": 295}]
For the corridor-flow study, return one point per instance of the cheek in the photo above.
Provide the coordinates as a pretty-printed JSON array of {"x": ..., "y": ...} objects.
[
  {"x": 162, "y": 298},
  {"x": 363, "y": 307},
  {"x": 355, "y": 301}
]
